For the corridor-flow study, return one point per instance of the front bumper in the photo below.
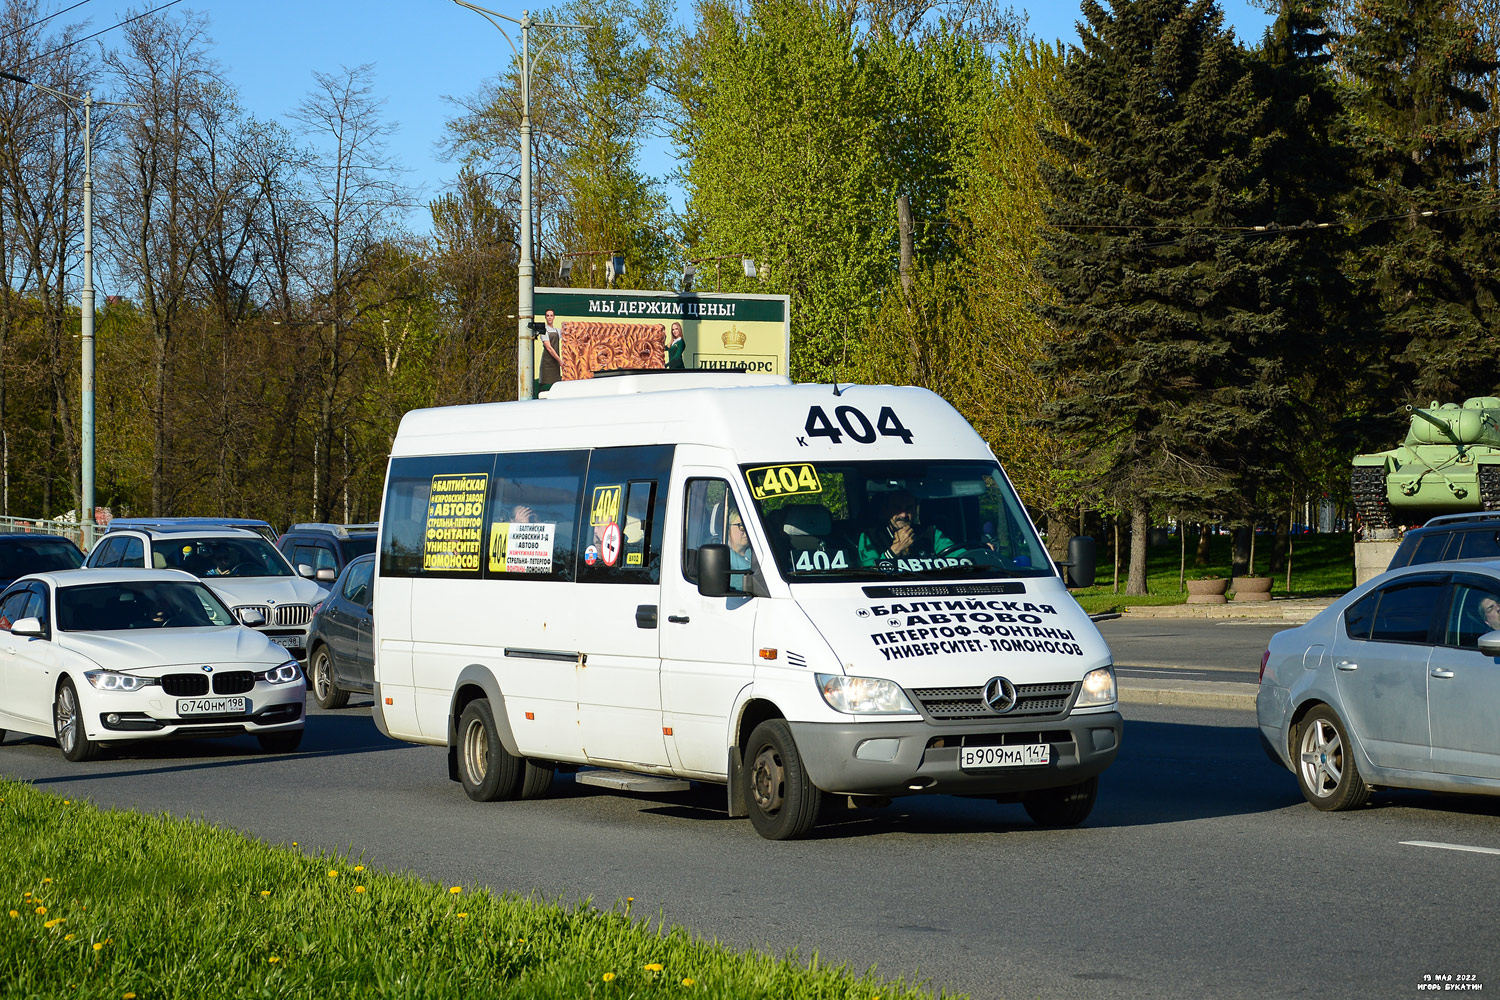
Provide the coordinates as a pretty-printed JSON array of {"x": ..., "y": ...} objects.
[
  {"x": 924, "y": 757},
  {"x": 152, "y": 714}
]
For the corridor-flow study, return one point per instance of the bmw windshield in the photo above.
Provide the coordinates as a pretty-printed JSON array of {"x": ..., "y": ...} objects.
[{"x": 832, "y": 521}]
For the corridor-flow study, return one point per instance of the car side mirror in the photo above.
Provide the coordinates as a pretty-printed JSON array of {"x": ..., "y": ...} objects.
[
  {"x": 305, "y": 570},
  {"x": 713, "y": 571},
  {"x": 254, "y": 617},
  {"x": 326, "y": 575},
  {"x": 32, "y": 627},
  {"x": 1489, "y": 643}
]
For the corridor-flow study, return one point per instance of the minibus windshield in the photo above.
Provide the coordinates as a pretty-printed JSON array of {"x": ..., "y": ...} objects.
[{"x": 840, "y": 521}]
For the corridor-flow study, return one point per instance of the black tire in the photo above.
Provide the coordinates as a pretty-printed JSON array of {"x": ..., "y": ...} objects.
[
  {"x": 488, "y": 771},
  {"x": 1324, "y": 761},
  {"x": 536, "y": 779},
  {"x": 782, "y": 799},
  {"x": 320, "y": 673},
  {"x": 67, "y": 725},
  {"x": 1066, "y": 806},
  {"x": 280, "y": 741}
]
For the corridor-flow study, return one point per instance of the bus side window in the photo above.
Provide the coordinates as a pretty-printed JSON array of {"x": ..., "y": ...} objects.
[{"x": 624, "y": 507}]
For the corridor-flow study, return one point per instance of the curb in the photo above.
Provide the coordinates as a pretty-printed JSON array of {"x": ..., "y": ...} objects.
[
  {"x": 1235, "y": 695},
  {"x": 1293, "y": 610}
]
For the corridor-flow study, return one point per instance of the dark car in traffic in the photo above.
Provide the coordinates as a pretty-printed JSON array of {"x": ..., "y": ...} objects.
[
  {"x": 340, "y": 655},
  {"x": 1449, "y": 537},
  {"x": 26, "y": 553}
]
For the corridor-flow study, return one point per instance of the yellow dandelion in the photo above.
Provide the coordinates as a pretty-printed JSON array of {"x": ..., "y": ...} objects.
[
  {"x": 265, "y": 892},
  {"x": 14, "y": 914},
  {"x": 25, "y": 895},
  {"x": 687, "y": 982},
  {"x": 67, "y": 802},
  {"x": 609, "y": 976},
  {"x": 654, "y": 967},
  {"x": 455, "y": 890},
  {"x": 53, "y": 922},
  {"x": 630, "y": 899},
  {"x": 98, "y": 945},
  {"x": 274, "y": 958},
  {"x": 359, "y": 868},
  {"x": 333, "y": 874},
  {"x": 41, "y": 911},
  {"x": 69, "y": 937},
  {"x": 294, "y": 843},
  {"x": 109, "y": 940},
  {"x": 359, "y": 888},
  {"x": 463, "y": 916},
  {"x": 45, "y": 881},
  {"x": 129, "y": 996}
]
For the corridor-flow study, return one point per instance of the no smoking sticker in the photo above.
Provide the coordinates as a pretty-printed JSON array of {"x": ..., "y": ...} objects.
[{"x": 610, "y": 543}]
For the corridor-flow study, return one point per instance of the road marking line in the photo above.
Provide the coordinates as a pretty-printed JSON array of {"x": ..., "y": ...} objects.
[{"x": 1451, "y": 847}]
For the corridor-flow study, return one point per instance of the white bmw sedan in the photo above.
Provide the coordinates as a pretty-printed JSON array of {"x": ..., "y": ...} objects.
[{"x": 99, "y": 656}]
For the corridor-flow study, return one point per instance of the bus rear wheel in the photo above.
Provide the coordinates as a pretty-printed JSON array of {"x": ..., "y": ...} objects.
[{"x": 488, "y": 771}]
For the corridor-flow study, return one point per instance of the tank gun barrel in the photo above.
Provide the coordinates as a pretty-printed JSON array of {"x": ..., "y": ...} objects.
[{"x": 1439, "y": 423}]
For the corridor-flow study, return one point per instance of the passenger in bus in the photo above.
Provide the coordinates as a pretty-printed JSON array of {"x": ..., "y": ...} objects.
[{"x": 898, "y": 535}]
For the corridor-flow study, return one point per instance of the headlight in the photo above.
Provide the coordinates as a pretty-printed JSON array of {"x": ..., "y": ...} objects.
[
  {"x": 1098, "y": 688},
  {"x": 863, "y": 695},
  {"x": 108, "y": 680},
  {"x": 284, "y": 674}
]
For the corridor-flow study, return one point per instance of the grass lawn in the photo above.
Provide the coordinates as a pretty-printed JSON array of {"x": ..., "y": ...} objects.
[
  {"x": 1322, "y": 566},
  {"x": 126, "y": 906}
]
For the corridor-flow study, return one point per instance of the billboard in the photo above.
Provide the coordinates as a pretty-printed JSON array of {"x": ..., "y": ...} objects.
[{"x": 600, "y": 329}]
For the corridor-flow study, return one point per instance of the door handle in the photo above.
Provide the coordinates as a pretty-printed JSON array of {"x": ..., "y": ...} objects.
[
  {"x": 1440, "y": 672},
  {"x": 645, "y": 616},
  {"x": 678, "y": 619},
  {"x": 1347, "y": 665}
]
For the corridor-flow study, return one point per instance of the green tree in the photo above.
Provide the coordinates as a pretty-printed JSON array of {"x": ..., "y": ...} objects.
[{"x": 1167, "y": 365}]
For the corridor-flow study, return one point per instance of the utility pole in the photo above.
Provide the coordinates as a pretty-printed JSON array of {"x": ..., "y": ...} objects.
[
  {"x": 86, "y": 305},
  {"x": 525, "y": 309}
]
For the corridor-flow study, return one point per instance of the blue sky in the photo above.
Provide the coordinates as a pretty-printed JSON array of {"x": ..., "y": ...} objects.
[{"x": 422, "y": 51}]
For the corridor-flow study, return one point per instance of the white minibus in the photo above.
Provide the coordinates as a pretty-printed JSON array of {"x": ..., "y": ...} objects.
[{"x": 809, "y": 594}]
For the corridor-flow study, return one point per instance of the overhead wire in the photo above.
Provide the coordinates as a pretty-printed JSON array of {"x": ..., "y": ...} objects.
[
  {"x": 101, "y": 31},
  {"x": 44, "y": 20}
]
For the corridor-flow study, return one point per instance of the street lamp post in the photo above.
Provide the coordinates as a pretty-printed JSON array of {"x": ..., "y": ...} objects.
[
  {"x": 86, "y": 305},
  {"x": 525, "y": 310}
]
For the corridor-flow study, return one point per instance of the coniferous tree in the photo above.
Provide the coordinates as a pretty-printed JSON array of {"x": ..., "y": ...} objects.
[
  {"x": 1429, "y": 240},
  {"x": 1168, "y": 362}
]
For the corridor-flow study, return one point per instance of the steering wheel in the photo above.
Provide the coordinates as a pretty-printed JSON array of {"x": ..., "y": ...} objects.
[
  {"x": 247, "y": 568},
  {"x": 951, "y": 548}
]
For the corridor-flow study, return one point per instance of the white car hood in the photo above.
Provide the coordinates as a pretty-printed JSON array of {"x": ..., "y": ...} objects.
[
  {"x": 162, "y": 647},
  {"x": 236, "y": 590},
  {"x": 1035, "y": 636}
]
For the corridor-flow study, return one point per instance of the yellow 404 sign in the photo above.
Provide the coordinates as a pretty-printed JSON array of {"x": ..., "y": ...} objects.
[{"x": 783, "y": 480}]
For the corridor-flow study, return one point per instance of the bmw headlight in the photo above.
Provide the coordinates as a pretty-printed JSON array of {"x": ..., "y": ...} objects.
[
  {"x": 108, "y": 680},
  {"x": 1098, "y": 688},
  {"x": 863, "y": 695},
  {"x": 284, "y": 674}
]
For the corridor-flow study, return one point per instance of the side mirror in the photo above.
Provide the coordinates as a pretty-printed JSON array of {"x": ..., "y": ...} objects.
[
  {"x": 305, "y": 570},
  {"x": 325, "y": 575},
  {"x": 32, "y": 627},
  {"x": 254, "y": 617},
  {"x": 713, "y": 571},
  {"x": 1489, "y": 643},
  {"x": 1081, "y": 561}
]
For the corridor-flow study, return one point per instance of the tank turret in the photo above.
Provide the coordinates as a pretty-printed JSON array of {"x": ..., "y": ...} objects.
[{"x": 1448, "y": 464}]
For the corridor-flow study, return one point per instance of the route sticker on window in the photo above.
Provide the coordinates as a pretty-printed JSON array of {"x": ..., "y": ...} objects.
[
  {"x": 606, "y": 507},
  {"x": 783, "y": 481},
  {"x": 611, "y": 544},
  {"x": 455, "y": 523},
  {"x": 519, "y": 547}
]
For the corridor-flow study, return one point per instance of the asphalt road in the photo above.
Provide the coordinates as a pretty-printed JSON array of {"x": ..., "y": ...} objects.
[
  {"x": 1200, "y": 873},
  {"x": 1189, "y": 648}
]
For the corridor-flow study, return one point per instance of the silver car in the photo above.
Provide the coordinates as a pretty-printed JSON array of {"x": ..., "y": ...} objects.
[{"x": 1394, "y": 685}]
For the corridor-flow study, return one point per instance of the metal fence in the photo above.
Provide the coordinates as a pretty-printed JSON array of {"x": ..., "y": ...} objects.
[{"x": 82, "y": 535}]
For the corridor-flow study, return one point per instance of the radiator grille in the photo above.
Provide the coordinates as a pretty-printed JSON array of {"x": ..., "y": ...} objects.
[
  {"x": 233, "y": 682},
  {"x": 966, "y": 704},
  {"x": 185, "y": 685},
  {"x": 293, "y": 614}
]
